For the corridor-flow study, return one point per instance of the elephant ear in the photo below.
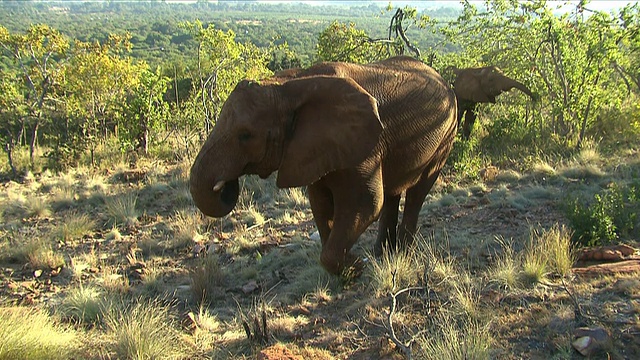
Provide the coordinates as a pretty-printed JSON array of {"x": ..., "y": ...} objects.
[{"x": 336, "y": 126}]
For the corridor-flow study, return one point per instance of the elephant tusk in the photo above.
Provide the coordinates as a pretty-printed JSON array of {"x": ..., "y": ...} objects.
[{"x": 218, "y": 186}]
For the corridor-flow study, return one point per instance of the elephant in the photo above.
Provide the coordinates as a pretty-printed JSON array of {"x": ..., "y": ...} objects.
[
  {"x": 357, "y": 136},
  {"x": 480, "y": 85}
]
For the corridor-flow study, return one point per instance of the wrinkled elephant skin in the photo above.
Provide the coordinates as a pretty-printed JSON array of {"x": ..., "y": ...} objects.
[{"x": 357, "y": 136}]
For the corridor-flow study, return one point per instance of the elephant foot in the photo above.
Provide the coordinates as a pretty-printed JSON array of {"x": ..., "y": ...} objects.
[{"x": 348, "y": 266}]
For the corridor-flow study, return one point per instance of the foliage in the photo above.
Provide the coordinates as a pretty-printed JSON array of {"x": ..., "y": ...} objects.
[
  {"x": 221, "y": 62},
  {"x": 98, "y": 79},
  {"x": 609, "y": 215},
  {"x": 570, "y": 60},
  {"x": 344, "y": 42},
  {"x": 31, "y": 83}
]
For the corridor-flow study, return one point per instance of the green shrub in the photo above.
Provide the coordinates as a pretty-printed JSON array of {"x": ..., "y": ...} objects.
[{"x": 611, "y": 214}]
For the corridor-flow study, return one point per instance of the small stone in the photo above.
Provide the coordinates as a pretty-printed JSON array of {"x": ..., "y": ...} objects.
[
  {"x": 591, "y": 340},
  {"x": 582, "y": 344},
  {"x": 37, "y": 273}
]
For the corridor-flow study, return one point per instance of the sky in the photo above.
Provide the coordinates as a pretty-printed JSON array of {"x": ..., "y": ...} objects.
[{"x": 602, "y": 5}]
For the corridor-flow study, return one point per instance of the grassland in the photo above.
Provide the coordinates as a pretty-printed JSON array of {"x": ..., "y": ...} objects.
[{"x": 116, "y": 262}]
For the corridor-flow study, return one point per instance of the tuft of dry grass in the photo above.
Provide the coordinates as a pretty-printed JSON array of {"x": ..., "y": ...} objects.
[
  {"x": 504, "y": 272},
  {"x": 29, "y": 333},
  {"x": 582, "y": 172},
  {"x": 36, "y": 206},
  {"x": 113, "y": 282},
  {"x": 294, "y": 198},
  {"x": 186, "y": 228},
  {"x": 74, "y": 227},
  {"x": 394, "y": 270},
  {"x": 508, "y": 176},
  {"x": 41, "y": 255},
  {"x": 207, "y": 279},
  {"x": 142, "y": 330},
  {"x": 455, "y": 339},
  {"x": 83, "y": 305},
  {"x": 122, "y": 208},
  {"x": 555, "y": 244}
]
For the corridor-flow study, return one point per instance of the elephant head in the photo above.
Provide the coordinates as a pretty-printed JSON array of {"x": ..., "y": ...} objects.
[
  {"x": 482, "y": 85},
  {"x": 302, "y": 127}
]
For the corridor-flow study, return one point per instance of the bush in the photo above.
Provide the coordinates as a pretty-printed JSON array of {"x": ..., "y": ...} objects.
[{"x": 611, "y": 214}]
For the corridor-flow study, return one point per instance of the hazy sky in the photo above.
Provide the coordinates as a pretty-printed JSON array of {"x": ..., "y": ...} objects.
[{"x": 421, "y": 4}]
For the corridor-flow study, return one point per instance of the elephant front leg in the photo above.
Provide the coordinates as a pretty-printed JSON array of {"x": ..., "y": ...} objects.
[
  {"x": 321, "y": 201},
  {"x": 387, "y": 225},
  {"x": 358, "y": 203},
  {"x": 469, "y": 121}
]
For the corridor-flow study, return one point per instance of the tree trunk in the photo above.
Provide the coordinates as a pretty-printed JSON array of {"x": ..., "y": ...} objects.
[
  {"x": 33, "y": 142},
  {"x": 8, "y": 148}
]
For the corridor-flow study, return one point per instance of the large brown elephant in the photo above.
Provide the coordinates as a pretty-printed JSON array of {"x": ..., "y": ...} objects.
[
  {"x": 480, "y": 85},
  {"x": 357, "y": 135}
]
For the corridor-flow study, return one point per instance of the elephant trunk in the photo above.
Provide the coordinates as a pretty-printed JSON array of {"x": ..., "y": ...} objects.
[
  {"x": 214, "y": 196},
  {"x": 215, "y": 200},
  {"x": 524, "y": 89}
]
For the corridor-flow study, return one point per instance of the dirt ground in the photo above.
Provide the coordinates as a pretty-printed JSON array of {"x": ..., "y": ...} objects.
[{"x": 349, "y": 322}]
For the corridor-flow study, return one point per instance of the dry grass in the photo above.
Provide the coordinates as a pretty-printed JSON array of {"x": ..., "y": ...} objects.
[
  {"x": 41, "y": 255},
  {"x": 454, "y": 339},
  {"x": 83, "y": 305},
  {"x": 472, "y": 298},
  {"x": 121, "y": 209},
  {"x": 74, "y": 227},
  {"x": 207, "y": 280},
  {"x": 29, "y": 333},
  {"x": 142, "y": 330}
]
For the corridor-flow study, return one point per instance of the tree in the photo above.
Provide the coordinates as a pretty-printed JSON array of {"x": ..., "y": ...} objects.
[
  {"x": 144, "y": 109},
  {"x": 221, "y": 63},
  {"x": 344, "y": 42},
  {"x": 38, "y": 55},
  {"x": 568, "y": 59},
  {"x": 98, "y": 79}
]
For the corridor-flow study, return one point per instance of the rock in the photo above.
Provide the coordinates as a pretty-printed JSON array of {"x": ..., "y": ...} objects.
[
  {"x": 607, "y": 253},
  {"x": 623, "y": 267},
  {"x": 278, "y": 352},
  {"x": 589, "y": 341}
]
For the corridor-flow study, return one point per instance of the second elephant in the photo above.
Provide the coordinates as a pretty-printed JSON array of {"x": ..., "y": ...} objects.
[{"x": 480, "y": 85}]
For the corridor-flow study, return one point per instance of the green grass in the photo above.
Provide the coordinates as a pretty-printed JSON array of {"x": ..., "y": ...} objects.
[{"x": 29, "y": 333}]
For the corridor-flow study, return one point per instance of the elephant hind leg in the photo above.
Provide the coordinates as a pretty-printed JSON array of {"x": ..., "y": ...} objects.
[
  {"x": 415, "y": 197},
  {"x": 387, "y": 225}
]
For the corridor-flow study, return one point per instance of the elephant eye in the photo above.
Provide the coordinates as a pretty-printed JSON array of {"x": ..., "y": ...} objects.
[{"x": 244, "y": 136}]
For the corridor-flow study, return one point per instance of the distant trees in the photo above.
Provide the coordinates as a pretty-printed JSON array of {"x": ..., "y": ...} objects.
[
  {"x": 70, "y": 93},
  {"x": 36, "y": 60}
]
